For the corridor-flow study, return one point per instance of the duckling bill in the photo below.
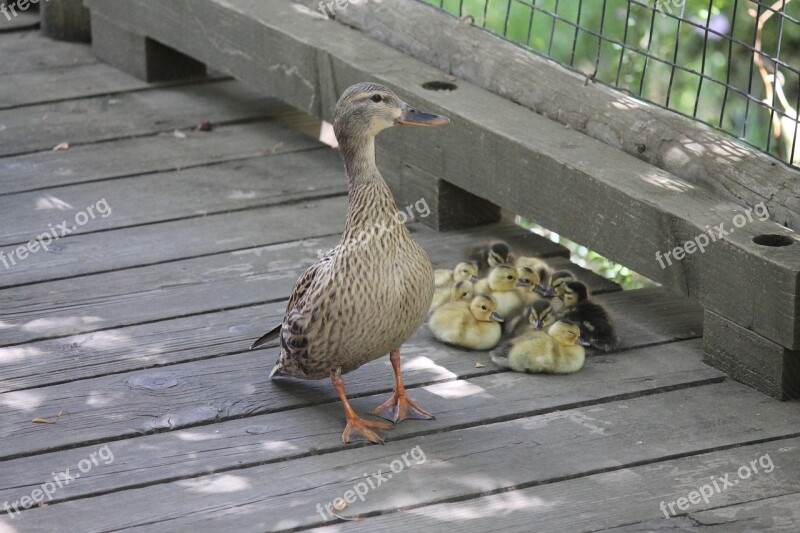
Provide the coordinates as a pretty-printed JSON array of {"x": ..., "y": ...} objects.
[{"x": 358, "y": 303}]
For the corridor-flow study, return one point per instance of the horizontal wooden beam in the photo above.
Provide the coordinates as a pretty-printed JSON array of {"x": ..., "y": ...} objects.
[
  {"x": 602, "y": 197},
  {"x": 658, "y": 136}
]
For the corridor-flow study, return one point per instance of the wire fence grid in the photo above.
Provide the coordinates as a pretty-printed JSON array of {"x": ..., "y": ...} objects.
[{"x": 733, "y": 65}]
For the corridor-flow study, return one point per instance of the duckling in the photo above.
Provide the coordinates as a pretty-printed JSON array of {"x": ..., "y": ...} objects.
[
  {"x": 593, "y": 319},
  {"x": 488, "y": 256},
  {"x": 558, "y": 282},
  {"x": 473, "y": 325},
  {"x": 346, "y": 309},
  {"x": 539, "y": 266},
  {"x": 463, "y": 271},
  {"x": 535, "y": 317},
  {"x": 502, "y": 285},
  {"x": 557, "y": 351},
  {"x": 461, "y": 291},
  {"x": 527, "y": 283}
]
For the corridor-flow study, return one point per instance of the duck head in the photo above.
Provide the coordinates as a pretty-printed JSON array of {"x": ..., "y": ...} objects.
[
  {"x": 503, "y": 278},
  {"x": 484, "y": 309},
  {"x": 366, "y": 109},
  {"x": 528, "y": 279},
  {"x": 567, "y": 333},
  {"x": 462, "y": 290},
  {"x": 558, "y": 282},
  {"x": 541, "y": 314},
  {"x": 575, "y": 293},
  {"x": 465, "y": 271}
]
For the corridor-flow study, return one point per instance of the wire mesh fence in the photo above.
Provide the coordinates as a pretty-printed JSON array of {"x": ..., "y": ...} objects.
[{"x": 731, "y": 64}]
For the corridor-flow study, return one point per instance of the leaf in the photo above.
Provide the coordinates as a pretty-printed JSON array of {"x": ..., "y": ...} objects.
[
  {"x": 178, "y": 134},
  {"x": 62, "y": 146},
  {"x": 50, "y": 420}
]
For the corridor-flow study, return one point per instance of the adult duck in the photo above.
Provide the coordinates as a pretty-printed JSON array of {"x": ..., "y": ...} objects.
[{"x": 372, "y": 291}]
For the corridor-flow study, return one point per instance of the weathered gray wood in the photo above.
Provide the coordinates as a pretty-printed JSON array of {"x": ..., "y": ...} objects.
[
  {"x": 245, "y": 442},
  {"x": 142, "y": 57},
  {"x": 105, "y": 118},
  {"x": 629, "y": 496},
  {"x": 91, "y": 79},
  {"x": 244, "y": 277},
  {"x": 458, "y": 464},
  {"x": 66, "y": 20},
  {"x": 618, "y": 205},
  {"x": 767, "y": 366},
  {"x": 671, "y": 142},
  {"x": 22, "y": 21},
  {"x": 200, "y": 191},
  {"x": 30, "y": 52},
  {"x": 644, "y": 318},
  {"x": 144, "y": 155}
]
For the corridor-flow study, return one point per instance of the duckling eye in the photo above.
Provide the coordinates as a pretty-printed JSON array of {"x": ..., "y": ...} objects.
[
  {"x": 509, "y": 277},
  {"x": 483, "y": 307},
  {"x": 377, "y": 98}
]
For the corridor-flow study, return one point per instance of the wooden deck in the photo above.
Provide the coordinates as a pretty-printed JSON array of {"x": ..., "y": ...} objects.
[{"x": 135, "y": 326}]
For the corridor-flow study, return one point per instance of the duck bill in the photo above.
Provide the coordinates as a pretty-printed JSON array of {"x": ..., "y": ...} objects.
[
  {"x": 523, "y": 283},
  {"x": 547, "y": 292},
  {"x": 496, "y": 317},
  {"x": 583, "y": 342},
  {"x": 473, "y": 279},
  {"x": 413, "y": 117},
  {"x": 538, "y": 324}
]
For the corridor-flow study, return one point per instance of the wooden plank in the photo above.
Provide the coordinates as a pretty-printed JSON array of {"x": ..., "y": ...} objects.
[
  {"x": 143, "y": 155},
  {"x": 103, "y": 118},
  {"x": 766, "y": 366},
  {"x": 317, "y": 429},
  {"x": 160, "y": 197},
  {"x": 457, "y": 464},
  {"x": 80, "y": 81},
  {"x": 203, "y": 284},
  {"x": 31, "y": 52},
  {"x": 66, "y": 20},
  {"x": 623, "y": 207},
  {"x": 660, "y": 137},
  {"x": 20, "y": 22},
  {"x": 666, "y": 319},
  {"x": 629, "y": 499}
]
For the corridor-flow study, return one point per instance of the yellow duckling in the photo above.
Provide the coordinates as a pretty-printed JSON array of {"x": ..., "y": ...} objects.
[
  {"x": 502, "y": 285},
  {"x": 528, "y": 284},
  {"x": 461, "y": 291},
  {"x": 463, "y": 271},
  {"x": 541, "y": 268},
  {"x": 471, "y": 325},
  {"x": 559, "y": 351}
]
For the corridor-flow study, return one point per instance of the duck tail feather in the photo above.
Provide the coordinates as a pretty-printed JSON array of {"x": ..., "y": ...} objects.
[{"x": 268, "y": 336}]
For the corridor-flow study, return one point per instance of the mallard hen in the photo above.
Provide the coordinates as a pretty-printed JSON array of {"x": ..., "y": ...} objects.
[{"x": 372, "y": 291}]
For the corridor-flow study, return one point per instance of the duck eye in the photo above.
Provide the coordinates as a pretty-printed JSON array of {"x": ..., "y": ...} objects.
[
  {"x": 377, "y": 98},
  {"x": 483, "y": 307},
  {"x": 509, "y": 277}
]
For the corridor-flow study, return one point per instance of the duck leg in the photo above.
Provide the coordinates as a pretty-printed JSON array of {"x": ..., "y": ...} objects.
[
  {"x": 355, "y": 422},
  {"x": 399, "y": 406}
]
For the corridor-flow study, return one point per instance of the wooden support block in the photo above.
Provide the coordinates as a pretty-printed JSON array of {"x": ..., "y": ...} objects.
[
  {"x": 451, "y": 207},
  {"x": 140, "y": 56},
  {"x": 750, "y": 358},
  {"x": 66, "y": 20}
]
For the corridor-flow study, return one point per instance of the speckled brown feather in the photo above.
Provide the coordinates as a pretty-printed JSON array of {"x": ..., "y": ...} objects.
[{"x": 369, "y": 293}]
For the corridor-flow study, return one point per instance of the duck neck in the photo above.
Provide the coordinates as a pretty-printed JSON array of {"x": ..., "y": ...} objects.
[{"x": 370, "y": 200}]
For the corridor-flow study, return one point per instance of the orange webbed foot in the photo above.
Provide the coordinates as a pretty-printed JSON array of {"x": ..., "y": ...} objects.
[
  {"x": 362, "y": 427},
  {"x": 400, "y": 407}
]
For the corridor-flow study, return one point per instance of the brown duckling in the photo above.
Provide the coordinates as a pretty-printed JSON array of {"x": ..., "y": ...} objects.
[
  {"x": 473, "y": 325},
  {"x": 555, "y": 291},
  {"x": 557, "y": 351},
  {"x": 488, "y": 256},
  {"x": 538, "y": 316},
  {"x": 595, "y": 323}
]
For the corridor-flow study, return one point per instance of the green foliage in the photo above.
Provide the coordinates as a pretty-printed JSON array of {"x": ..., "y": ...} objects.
[
  {"x": 582, "y": 256},
  {"x": 551, "y": 30}
]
